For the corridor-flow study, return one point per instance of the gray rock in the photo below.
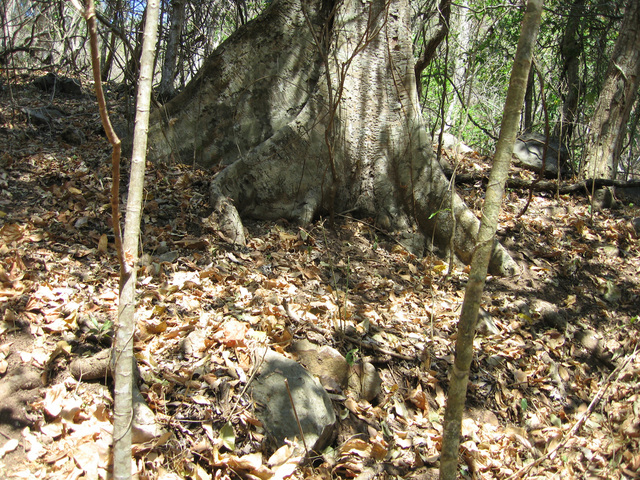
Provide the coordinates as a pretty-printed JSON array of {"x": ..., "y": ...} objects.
[
  {"x": 610, "y": 251},
  {"x": 452, "y": 142},
  {"x": 73, "y": 136},
  {"x": 522, "y": 307},
  {"x": 55, "y": 83},
  {"x": 549, "y": 314},
  {"x": 590, "y": 340},
  {"x": 528, "y": 151},
  {"x": 636, "y": 225},
  {"x": 168, "y": 257},
  {"x": 602, "y": 198},
  {"x": 486, "y": 324},
  {"x": 364, "y": 381},
  {"x": 274, "y": 409},
  {"x": 43, "y": 115},
  {"x": 325, "y": 362}
]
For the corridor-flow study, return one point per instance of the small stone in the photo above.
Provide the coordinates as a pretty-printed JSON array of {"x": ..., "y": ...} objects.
[
  {"x": 549, "y": 314},
  {"x": 610, "y": 251},
  {"x": 495, "y": 360},
  {"x": 589, "y": 340},
  {"x": 325, "y": 362},
  {"x": 486, "y": 324},
  {"x": 364, "y": 381},
  {"x": 168, "y": 257},
  {"x": 602, "y": 199},
  {"x": 274, "y": 406},
  {"x": 73, "y": 136},
  {"x": 522, "y": 307}
]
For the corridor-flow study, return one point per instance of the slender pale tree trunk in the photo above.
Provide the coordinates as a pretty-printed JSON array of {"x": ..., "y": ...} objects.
[
  {"x": 123, "y": 402},
  {"x": 459, "y": 376},
  {"x": 607, "y": 128},
  {"x": 127, "y": 248}
]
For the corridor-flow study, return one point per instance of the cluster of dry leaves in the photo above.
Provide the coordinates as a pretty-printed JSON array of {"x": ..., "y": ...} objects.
[{"x": 548, "y": 344}]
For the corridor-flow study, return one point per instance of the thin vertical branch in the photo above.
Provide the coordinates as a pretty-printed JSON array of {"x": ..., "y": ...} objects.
[
  {"x": 459, "y": 375},
  {"x": 89, "y": 14},
  {"x": 127, "y": 247},
  {"x": 123, "y": 401}
]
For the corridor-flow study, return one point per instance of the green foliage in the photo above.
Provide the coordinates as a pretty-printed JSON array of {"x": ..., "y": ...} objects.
[
  {"x": 100, "y": 330},
  {"x": 482, "y": 43},
  {"x": 352, "y": 356},
  {"x": 438, "y": 212}
]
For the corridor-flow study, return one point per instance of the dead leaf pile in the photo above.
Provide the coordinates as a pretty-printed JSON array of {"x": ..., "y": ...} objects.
[{"x": 548, "y": 338}]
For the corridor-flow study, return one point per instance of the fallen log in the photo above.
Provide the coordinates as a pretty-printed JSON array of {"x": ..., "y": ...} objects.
[{"x": 584, "y": 186}]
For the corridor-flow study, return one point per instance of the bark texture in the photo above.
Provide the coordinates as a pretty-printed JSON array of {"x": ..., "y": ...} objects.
[
  {"x": 607, "y": 128},
  {"x": 166, "y": 89},
  {"x": 570, "y": 48},
  {"x": 123, "y": 411},
  {"x": 313, "y": 109}
]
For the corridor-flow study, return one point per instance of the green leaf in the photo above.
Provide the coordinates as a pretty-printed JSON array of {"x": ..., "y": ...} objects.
[
  {"x": 352, "y": 355},
  {"x": 439, "y": 211},
  {"x": 524, "y": 404},
  {"x": 228, "y": 436}
]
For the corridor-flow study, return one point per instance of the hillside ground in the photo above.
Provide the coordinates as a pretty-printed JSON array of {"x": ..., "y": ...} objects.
[{"x": 557, "y": 344}]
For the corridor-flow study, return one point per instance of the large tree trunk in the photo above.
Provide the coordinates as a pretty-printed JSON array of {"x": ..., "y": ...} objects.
[
  {"x": 313, "y": 109},
  {"x": 607, "y": 128}
]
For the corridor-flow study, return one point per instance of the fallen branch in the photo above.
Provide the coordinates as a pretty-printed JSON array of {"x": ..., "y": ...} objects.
[
  {"x": 584, "y": 186},
  {"x": 590, "y": 183}
]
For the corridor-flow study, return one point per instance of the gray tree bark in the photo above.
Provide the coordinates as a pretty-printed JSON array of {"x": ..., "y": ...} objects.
[
  {"x": 314, "y": 110},
  {"x": 607, "y": 128},
  {"x": 459, "y": 376},
  {"x": 571, "y": 49},
  {"x": 166, "y": 89}
]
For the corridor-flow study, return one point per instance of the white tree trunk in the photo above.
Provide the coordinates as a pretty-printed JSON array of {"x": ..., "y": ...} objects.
[{"x": 123, "y": 344}]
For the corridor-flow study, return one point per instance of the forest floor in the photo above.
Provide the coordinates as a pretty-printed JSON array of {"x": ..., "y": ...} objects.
[{"x": 557, "y": 344}]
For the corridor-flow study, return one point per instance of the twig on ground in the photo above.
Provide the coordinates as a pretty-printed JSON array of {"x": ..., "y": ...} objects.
[
  {"x": 583, "y": 418},
  {"x": 295, "y": 413},
  {"x": 323, "y": 331}
]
